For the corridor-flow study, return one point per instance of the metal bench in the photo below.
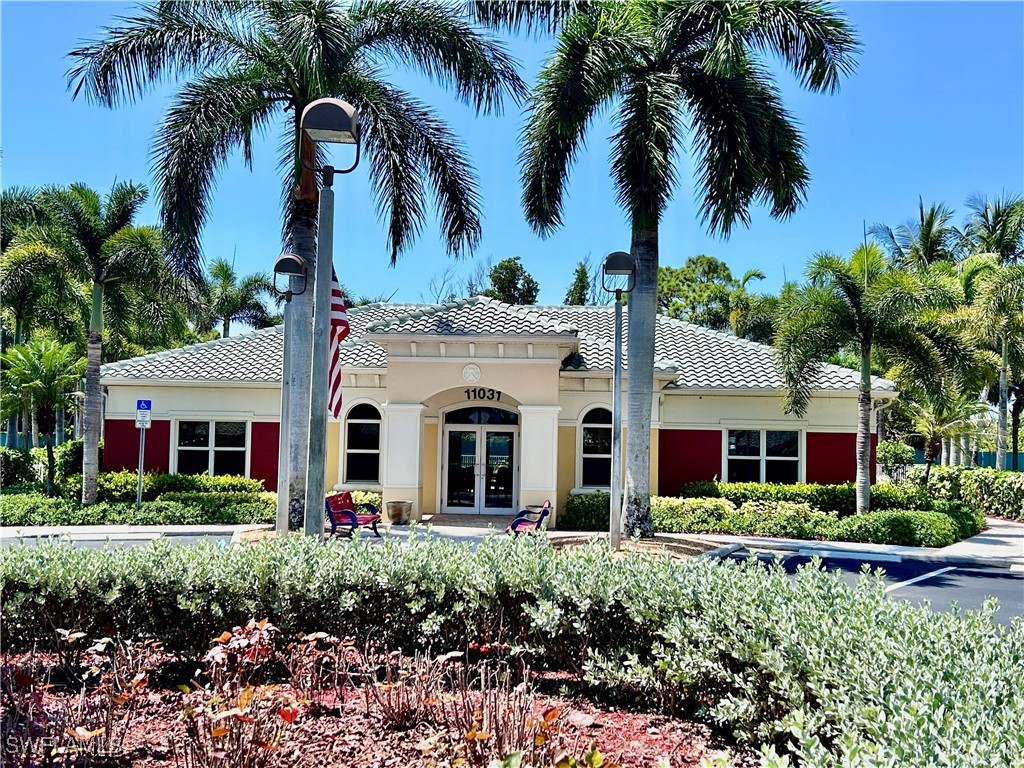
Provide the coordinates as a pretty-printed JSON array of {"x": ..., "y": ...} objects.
[
  {"x": 345, "y": 515},
  {"x": 527, "y": 521}
]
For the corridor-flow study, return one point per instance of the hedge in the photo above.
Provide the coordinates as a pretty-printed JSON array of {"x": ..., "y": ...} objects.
[
  {"x": 122, "y": 486},
  {"x": 828, "y": 498},
  {"x": 947, "y": 523},
  {"x": 995, "y": 492},
  {"x": 836, "y": 675},
  {"x": 16, "y": 467}
]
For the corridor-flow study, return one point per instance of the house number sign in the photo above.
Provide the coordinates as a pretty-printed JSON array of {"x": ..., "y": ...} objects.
[{"x": 481, "y": 393}]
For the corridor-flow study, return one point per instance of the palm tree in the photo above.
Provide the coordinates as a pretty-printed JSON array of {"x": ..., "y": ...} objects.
[
  {"x": 746, "y": 309},
  {"x": 44, "y": 375},
  {"x": 948, "y": 415},
  {"x": 226, "y": 299},
  {"x": 860, "y": 305},
  {"x": 919, "y": 244},
  {"x": 95, "y": 241},
  {"x": 997, "y": 227},
  {"x": 251, "y": 62},
  {"x": 672, "y": 71},
  {"x": 999, "y": 314}
]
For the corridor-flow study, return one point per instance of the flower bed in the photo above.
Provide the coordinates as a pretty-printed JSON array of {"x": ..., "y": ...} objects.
[{"x": 834, "y": 675}]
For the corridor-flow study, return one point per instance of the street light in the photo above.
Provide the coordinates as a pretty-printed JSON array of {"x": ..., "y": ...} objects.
[
  {"x": 617, "y": 264},
  {"x": 330, "y": 121},
  {"x": 290, "y": 265}
]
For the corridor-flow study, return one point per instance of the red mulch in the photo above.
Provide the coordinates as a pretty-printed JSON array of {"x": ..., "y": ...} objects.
[{"x": 355, "y": 739}]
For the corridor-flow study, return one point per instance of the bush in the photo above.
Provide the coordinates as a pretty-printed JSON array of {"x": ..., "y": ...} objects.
[
  {"x": 229, "y": 508},
  {"x": 840, "y": 675},
  {"x": 586, "y": 512},
  {"x": 786, "y": 519},
  {"x": 911, "y": 528},
  {"x": 68, "y": 459},
  {"x": 16, "y": 467},
  {"x": 999, "y": 493},
  {"x": 37, "y": 509},
  {"x": 673, "y": 515},
  {"x": 121, "y": 486},
  {"x": 841, "y": 499},
  {"x": 894, "y": 456}
]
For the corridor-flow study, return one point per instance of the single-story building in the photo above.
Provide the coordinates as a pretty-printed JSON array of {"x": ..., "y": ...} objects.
[{"x": 476, "y": 406}]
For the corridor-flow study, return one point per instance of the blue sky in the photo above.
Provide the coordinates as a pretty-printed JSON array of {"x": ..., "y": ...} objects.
[{"x": 936, "y": 108}]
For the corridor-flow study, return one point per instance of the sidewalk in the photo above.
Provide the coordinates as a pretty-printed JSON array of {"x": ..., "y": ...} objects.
[{"x": 1001, "y": 545}]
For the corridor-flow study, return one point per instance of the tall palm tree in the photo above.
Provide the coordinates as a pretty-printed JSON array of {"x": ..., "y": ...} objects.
[
  {"x": 225, "y": 299},
  {"x": 999, "y": 314},
  {"x": 918, "y": 244},
  {"x": 859, "y": 305},
  {"x": 44, "y": 374},
  {"x": 948, "y": 415},
  {"x": 996, "y": 226},
  {"x": 94, "y": 240},
  {"x": 251, "y": 62},
  {"x": 672, "y": 71}
]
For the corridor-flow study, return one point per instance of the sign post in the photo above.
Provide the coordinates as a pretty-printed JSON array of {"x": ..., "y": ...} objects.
[{"x": 143, "y": 421}]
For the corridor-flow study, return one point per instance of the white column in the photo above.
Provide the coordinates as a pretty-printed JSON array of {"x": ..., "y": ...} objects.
[
  {"x": 538, "y": 454},
  {"x": 402, "y": 454}
]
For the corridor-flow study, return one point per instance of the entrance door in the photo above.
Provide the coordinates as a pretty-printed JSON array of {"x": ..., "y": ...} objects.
[{"x": 479, "y": 467}]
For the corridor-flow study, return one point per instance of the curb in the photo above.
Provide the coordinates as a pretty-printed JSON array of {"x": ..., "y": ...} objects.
[
  {"x": 724, "y": 551},
  {"x": 1000, "y": 563}
]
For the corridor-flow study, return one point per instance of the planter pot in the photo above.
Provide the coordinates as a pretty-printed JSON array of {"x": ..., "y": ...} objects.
[{"x": 399, "y": 512}]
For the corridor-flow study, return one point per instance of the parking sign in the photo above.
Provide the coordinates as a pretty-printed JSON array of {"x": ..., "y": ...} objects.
[{"x": 143, "y": 413}]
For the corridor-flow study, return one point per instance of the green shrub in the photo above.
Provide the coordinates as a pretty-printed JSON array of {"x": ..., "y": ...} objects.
[
  {"x": 229, "y": 508},
  {"x": 68, "y": 458},
  {"x": 907, "y": 527},
  {"x": 368, "y": 497},
  {"x": 999, "y": 493},
  {"x": 786, "y": 519},
  {"x": 16, "y": 467},
  {"x": 121, "y": 486},
  {"x": 894, "y": 456},
  {"x": 841, "y": 499},
  {"x": 841, "y": 675},
  {"x": 586, "y": 512},
  {"x": 673, "y": 515},
  {"x": 34, "y": 509}
]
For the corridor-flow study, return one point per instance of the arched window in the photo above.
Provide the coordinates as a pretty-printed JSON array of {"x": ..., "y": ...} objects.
[
  {"x": 362, "y": 444},
  {"x": 596, "y": 449}
]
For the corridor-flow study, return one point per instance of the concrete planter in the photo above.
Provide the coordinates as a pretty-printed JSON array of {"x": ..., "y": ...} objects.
[{"x": 400, "y": 512}]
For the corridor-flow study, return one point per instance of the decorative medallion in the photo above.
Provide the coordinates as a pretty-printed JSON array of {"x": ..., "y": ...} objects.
[{"x": 471, "y": 373}]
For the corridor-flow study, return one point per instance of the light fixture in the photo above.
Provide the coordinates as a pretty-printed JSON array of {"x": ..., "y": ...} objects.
[
  {"x": 618, "y": 264},
  {"x": 331, "y": 121},
  {"x": 290, "y": 265}
]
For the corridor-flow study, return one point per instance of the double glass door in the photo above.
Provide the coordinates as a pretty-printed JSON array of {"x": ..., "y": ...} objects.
[{"x": 479, "y": 469}]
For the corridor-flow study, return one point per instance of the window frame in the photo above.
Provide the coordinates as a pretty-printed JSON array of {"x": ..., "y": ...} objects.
[
  {"x": 762, "y": 458},
  {"x": 345, "y": 450},
  {"x": 211, "y": 448},
  {"x": 580, "y": 426}
]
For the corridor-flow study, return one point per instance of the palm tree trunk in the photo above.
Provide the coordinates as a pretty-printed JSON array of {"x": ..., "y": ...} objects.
[
  {"x": 226, "y": 329},
  {"x": 929, "y": 459},
  {"x": 1003, "y": 398},
  {"x": 59, "y": 426},
  {"x": 12, "y": 423},
  {"x": 1018, "y": 406},
  {"x": 51, "y": 466},
  {"x": 93, "y": 399},
  {"x": 954, "y": 452},
  {"x": 864, "y": 431},
  {"x": 35, "y": 429},
  {"x": 643, "y": 309},
  {"x": 944, "y": 461}
]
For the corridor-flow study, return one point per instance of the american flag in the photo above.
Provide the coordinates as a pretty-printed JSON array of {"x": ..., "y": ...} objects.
[{"x": 339, "y": 330}]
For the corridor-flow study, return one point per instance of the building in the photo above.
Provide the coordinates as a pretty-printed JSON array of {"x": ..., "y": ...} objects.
[{"x": 481, "y": 407}]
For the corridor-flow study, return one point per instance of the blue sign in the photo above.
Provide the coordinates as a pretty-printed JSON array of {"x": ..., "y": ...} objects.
[{"x": 143, "y": 405}]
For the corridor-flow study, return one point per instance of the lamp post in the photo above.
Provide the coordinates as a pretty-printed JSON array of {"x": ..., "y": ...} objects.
[
  {"x": 330, "y": 121},
  {"x": 293, "y": 268},
  {"x": 617, "y": 264}
]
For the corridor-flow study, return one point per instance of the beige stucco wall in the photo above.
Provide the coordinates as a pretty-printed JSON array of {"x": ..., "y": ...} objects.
[
  {"x": 836, "y": 413},
  {"x": 416, "y": 380},
  {"x": 171, "y": 402},
  {"x": 566, "y": 465},
  {"x": 430, "y": 469},
  {"x": 333, "y": 431}
]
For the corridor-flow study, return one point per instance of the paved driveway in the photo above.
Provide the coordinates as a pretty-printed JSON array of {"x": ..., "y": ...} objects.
[{"x": 940, "y": 584}]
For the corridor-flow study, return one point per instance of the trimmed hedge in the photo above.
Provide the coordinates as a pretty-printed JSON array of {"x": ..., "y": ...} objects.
[
  {"x": 946, "y": 524},
  {"x": 995, "y": 492},
  {"x": 121, "y": 486},
  {"x": 828, "y": 498},
  {"x": 837, "y": 675},
  {"x": 38, "y": 509}
]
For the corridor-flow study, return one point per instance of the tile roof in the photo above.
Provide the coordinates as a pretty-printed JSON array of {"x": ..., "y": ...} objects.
[{"x": 701, "y": 358}]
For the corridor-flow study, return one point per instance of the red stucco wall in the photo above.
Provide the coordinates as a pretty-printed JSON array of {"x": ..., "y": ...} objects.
[
  {"x": 263, "y": 456},
  {"x": 121, "y": 446},
  {"x": 832, "y": 457},
  {"x": 686, "y": 456}
]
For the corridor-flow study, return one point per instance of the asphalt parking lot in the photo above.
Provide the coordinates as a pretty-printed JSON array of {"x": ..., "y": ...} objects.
[{"x": 940, "y": 584}]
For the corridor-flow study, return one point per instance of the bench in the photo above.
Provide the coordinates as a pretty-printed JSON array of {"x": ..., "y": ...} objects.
[
  {"x": 527, "y": 521},
  {"x": 345, "y": 515}
]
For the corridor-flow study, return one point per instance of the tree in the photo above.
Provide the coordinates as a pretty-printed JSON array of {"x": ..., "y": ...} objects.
[
  {"x": 697, "y": 292},
  {"x": 947, "y": 415},
  {"x": 999, "y": 315},
  {"x": 919, "y": 244},
  {"x": 43, "y": 375},
  {"x": 670, "y": 70},
  {"x": 997, "y": 227},
  {"x": 95, "y": 241},
  {"x": 511, "y": 283},
  {"x": 251, "y": 62},
  {"x": 579, "y": 289},
  {"x": 225, "y": 299},
  {"x": 859, "y": 305}
]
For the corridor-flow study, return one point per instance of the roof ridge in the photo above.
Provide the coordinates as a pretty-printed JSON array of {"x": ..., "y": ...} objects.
[{"x": 424, "y": 310}]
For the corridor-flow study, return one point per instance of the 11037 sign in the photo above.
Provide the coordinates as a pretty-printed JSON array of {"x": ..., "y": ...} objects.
[{"x": 482, "y": 393}]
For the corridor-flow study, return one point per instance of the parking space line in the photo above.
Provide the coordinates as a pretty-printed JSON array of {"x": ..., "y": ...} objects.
[{"x": 922, "y": 577}]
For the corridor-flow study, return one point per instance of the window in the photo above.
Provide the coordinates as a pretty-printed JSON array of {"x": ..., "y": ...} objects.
[
  {"x": 763, "y": 456},
  {"x": 596, "y": 449},
  {"x": 362, "y": 444},
  {"x": 212, "y": 447}
]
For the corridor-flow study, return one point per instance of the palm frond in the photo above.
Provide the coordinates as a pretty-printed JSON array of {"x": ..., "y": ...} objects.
[
  {"x": 531, "y": 16},
  {"x": 122, "y": 204}
]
